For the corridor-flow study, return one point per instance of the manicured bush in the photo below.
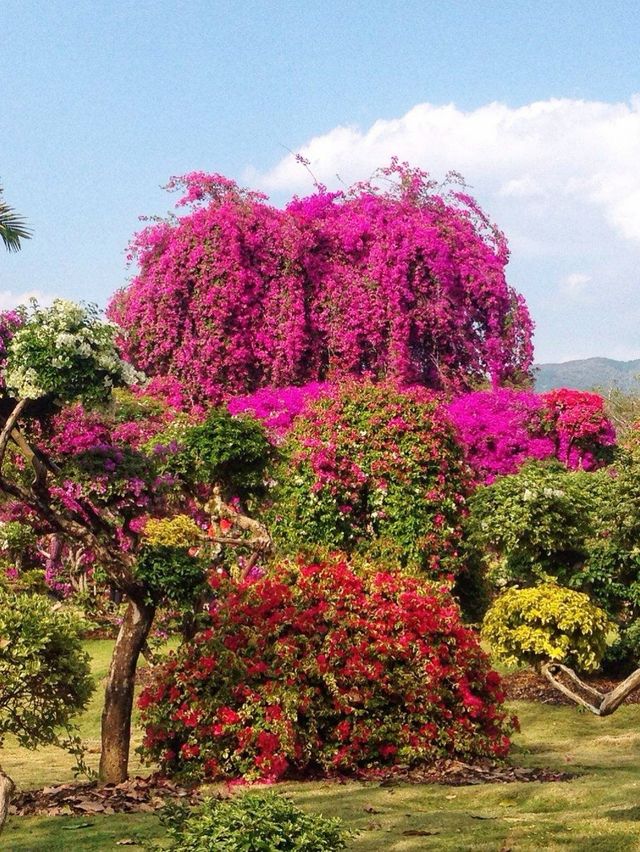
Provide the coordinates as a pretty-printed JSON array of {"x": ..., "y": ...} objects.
[
  {"x": 44, "y": 673},
  {"x": 548, "y": 623},
  {"x": 533, "y": 524},
  {"x": 232, "y": 451},
  {"x": 319, "y": 668},
  {"x": 255, "y": 821},
  {"x": 376, "y": 470}
]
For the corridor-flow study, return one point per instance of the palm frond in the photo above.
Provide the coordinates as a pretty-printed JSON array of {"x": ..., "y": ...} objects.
[{"x": 13, "y": 228}]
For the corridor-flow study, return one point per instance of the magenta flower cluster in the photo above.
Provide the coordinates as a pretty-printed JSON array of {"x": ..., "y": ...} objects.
[
  {"x": 277, "y": 408},
  {"x": 405, "y": 282},
  {"x": 503, "y": 428}
]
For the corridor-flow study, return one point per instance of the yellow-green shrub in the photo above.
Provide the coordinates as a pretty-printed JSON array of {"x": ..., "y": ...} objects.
[
  {"x": 179, "y": 531},
  {"x": 547, "y": 623}
]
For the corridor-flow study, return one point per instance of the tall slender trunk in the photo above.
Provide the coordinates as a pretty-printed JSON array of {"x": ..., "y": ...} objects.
[
  {"x": 118, "y": 698},
  {"x": 6, "y": 789}
]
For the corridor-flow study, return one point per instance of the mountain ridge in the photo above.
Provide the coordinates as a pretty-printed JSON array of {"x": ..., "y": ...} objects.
[{"x": 589, "y": 373}]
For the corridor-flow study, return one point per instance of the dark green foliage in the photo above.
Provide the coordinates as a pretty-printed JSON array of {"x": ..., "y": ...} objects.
[
  {"x": 533, "y": 524},
  {"x": 230, "y": 451},
  {"x": 252, "y": 822},
  {"x": 171, "y": 573}
]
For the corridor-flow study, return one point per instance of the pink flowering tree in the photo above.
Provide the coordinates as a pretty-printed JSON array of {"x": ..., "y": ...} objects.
[
  {"x": 139, "y": 491},
  {"x": 396, "y": 277}
]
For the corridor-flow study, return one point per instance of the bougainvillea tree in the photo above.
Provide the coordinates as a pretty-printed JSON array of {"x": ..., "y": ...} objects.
[
  {"x": 396, "y": 277},
  {"x": 139, "y": 491},
  {"x": 502, "y": 428},
  {"x": 317, "y": 667},
  {"x": 372, "y": 469}
]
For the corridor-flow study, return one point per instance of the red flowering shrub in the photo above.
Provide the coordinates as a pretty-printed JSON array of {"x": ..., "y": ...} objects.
[
  {"x": 322, "y": 668},
  {"x": 372, "y": 469},
  {"x": 582, "y": 431}
]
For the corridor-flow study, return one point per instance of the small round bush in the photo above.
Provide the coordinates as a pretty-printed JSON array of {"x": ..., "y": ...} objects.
[
  {"x": 547, "y": 623},
  {"x": 374, "y": 469},
  {"x": 256, "y": 821},
  {"x": 232, "y": 451},
  {"x": 319, "y": 668},
  {"x": 44, "y": 673}
]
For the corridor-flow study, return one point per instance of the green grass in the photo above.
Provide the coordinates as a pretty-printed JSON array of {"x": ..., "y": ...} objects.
[{"x": 597, "y": 812}]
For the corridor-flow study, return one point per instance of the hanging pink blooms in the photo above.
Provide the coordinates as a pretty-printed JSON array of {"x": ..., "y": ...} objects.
[{"x": 406, "y": 282}]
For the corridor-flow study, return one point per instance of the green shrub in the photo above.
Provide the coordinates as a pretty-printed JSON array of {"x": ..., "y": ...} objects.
[
  {"x": 547, "y": 623},
  {"x": 376, "y": 470},
  {"x": 253, "y": 822},
  {"x": 623, "y": 656},
  {"x": 533, "y": 524},
  {"x": 44, "y": 673},
  {"x": 232, "y": 451}
]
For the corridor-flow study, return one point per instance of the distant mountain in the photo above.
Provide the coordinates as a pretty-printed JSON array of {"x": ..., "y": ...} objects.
[{"x": 589, "y": 373}]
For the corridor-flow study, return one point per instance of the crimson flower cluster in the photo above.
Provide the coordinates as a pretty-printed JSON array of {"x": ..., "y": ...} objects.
[{"x": 319, "y": 668}]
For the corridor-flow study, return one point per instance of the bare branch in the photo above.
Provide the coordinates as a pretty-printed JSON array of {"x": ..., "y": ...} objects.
[{"x": 602, "y": 704}]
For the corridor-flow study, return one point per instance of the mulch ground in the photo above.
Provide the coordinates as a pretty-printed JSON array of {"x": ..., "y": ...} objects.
[
  {"x": 147, "y": 795},
  {"x": 137, "y": 795},
  {"x": 528, "y": 685}
]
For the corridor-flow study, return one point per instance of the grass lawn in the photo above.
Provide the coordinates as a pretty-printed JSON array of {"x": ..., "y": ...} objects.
[{"x": 600, "y": 810}]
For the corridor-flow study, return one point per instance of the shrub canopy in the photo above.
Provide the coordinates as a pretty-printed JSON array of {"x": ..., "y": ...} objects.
[
  {"x": 375, "y": 470},
  {"x": 320, "y": 667}
]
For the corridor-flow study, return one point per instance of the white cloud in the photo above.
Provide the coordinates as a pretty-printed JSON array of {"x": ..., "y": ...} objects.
[
  {"x": 575, "y": 283},
  {"x": 561, "y": 150},
  {"x": 10, "y": 300},
  {"x": 560, "y": 177}
]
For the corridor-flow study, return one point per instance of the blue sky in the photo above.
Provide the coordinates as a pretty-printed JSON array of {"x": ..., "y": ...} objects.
[{"x": 537, "y": 103}]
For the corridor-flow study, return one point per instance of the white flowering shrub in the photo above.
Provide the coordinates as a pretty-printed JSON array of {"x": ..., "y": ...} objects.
[{"x": 66, "y": 351}]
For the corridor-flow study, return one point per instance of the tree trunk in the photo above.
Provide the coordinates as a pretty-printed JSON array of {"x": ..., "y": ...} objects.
[
  {"x": 118, "y": 698},
  {"x": 6, "y": 789}
]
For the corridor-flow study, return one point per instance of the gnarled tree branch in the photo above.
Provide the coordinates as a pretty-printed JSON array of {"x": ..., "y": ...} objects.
[{"x": 601, "y": 704}]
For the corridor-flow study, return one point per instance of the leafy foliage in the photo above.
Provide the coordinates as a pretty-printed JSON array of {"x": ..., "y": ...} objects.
[
  {"x": 533, "y": 524},
  {"x": 547, "y": 623},
  {"x": 253, "y": 822},
  {"x": 170, "y": 572},
  {"x": 13, "y": 228},
  {"x": 230, "y": 451},
  {"x": 320, "y": 667},
  {"x": 376, "y": 470},
  {"x": 44, "y": 673}
]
